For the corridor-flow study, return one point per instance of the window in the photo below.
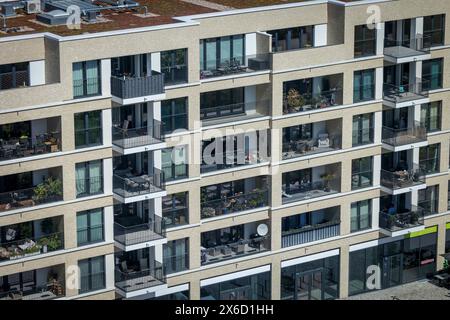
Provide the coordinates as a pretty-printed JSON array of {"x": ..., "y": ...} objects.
[
  {"x": 14, "y": 75},
  {"x": 89, "y": 178},
  {"x": 174, "y": 115},
  {"x": 86, "y": 78},
  {"x": 362, "y": 173},
  {"x": 174, "y": 66},
  {"x": 429, "y": 158},
  {"x": 216, "y": 51},
  {"x": 293, "y": 38},
  {"x": 432, "y": 74},
  {"x": 88, "y": 129},
  {"x": 361, "y": 215},
  {"x": 92, "y": 274},
  {"x": 363, "y": 130},
  {"x": 430, "y": 116},
  {"x": 365, "y": 41},
  {"x": 90, "y": 226},
  {"x": 363, "y": 85},
  {"x": 175, "y": 209},
  {"x": 176, "y": 256},
  {"x": 433, "y": 30},
  {"x": 222, "y": 103},
  {"x": 429, "y": 200},
  {"x": 174, "y": 163}
]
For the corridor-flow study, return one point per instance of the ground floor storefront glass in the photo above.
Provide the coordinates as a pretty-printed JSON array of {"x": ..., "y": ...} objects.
[
  {"x": 314, "y": 280},
  {"x": 254, "y": 287},
  {"x": 398, "y": 262}
]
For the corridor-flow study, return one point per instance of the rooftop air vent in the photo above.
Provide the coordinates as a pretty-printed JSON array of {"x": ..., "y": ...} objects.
[
  {"x": 55, "y": 17},
  {"x": 33, "y": 6}
]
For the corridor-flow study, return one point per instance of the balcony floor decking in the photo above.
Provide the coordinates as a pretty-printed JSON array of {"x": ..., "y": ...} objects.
[
  {"x": 293, "y": 154},
  {"x": 138, "y": 283},
  {"x": 399, "y": 52},
  {"x": 307, "y": 195},
  {"x": 231, "y": 119}
]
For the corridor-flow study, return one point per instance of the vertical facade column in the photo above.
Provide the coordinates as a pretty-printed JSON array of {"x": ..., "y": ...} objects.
[
  {"x": 105, "y": 69},
  {"x": 380, "y": 38},
  {"x": 276, "y": 278},
  {"x": 379, "y": 83},
  {"x": 343, "y": 271},
  {"x": 441, "y": 245},
  {"x": 67, "y": 130}
]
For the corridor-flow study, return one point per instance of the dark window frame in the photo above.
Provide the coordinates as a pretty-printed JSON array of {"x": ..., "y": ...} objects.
[
  {"x": 359, "y": 119},
  {"x": 90, "y": 227},
  {"x": 369, "y": 38},
  {"x": 99, "y": 79},
  {"x": 87, "y": 178},
  {"x": 358, "y": 205},
  {"x": 87, "y": 129},
  {"x": 359, "y": 171},
  {"x": 173, "y": 115},
  {"x": 90, "y": 275}
]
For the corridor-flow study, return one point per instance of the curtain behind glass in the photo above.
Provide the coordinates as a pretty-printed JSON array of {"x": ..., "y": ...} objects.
[
  {"x": 77, "y": 74},
  {"x": 211, "y": 55},
  {"x": 82, "y": 225},
  {"x": 96, "y": 227},
  {"x": 95, "y": 177},
  {"x": 80, "y": 175},
  {"x": 98, "y": 273},
  {"x": 367, "y": 83},
  {"x": 92, "y": 79},
  {"x": 238, "y": 48}
]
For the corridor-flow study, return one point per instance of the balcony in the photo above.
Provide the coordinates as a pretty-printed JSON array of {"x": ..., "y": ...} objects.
[
  {"x": 30, "y": 138},
  {"x": 31, "y": 238},
  {"x": 234, "y": 242},
  {"x": 14, "y": 79},
  {"x": 324, "y": 142},
  {"x": 233, "y": 204},
  {"x": 240, "y": 111},
  {"x": 148, "y": 136},
  {"x": 129, "y": 279},
  {"x": 295, "y": 102},
  {"x": 46, "y": 191},
  {"x": 406, "y": 51},
  {"x": 394, "y": 139},
  {"x": 127, "y": 89},
  {"x": 128, "y": 185},
  {"x": 400, "y": 223},
  {"x": 394, "y": 181},
  {"x": 132, "y": 230},
  {"x": 234, "y": 66},
  {"x": 40, "y": 284},
  {"x": 310, "y": 233},
  {"x": 397, "y": 96},
  {"x": 299, "y": 186}
]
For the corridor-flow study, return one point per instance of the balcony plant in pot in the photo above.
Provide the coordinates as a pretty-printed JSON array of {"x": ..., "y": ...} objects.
[
  {"x": 295, "y": 101},
  {"x": 54, "y": 243},
  {"x": 54, "y": 187},
  {"x": 40, "y": 193},
  {"x": 43, "y": 243},
  {"x": 327, "y": 177}
]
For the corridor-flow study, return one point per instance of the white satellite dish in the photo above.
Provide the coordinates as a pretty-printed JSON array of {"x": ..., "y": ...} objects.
[{"x": 262, "y": 229}]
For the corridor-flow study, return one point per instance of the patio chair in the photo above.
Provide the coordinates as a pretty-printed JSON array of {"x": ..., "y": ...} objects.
[{"x": 323, "y": 141}]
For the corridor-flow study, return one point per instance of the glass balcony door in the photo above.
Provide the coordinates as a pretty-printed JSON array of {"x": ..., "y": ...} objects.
[
  {"x": 392, "y": 270},
  {"x": 308, "y": 286}
]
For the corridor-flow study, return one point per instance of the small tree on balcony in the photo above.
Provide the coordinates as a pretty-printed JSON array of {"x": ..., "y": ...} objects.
[{"x": 294, "y": 100}]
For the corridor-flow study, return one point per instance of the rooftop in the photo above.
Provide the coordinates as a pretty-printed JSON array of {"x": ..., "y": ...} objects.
[{"x": 146, "y": 13}]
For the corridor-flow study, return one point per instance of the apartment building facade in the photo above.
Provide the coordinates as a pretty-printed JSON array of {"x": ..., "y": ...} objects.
[{"x": 339, "y": 157}]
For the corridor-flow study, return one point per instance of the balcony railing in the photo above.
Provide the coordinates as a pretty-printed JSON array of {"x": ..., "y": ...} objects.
[
  {"x": 230, "y": 109},
  {"x": 234, "y": 250},
  {"x": 154, "y": 229},
  {"x": 11, "y": 80},
  {"x": 175, "y": 216},
  {"x": 25, "y": 147},
  {"x": 399, "y": 137},
  {"x": 406, "y": 48},
  {"x": 323, "y": 143},
  {"x": 401, "y": 221},
  {"x": 131, "y": 186},
  {"x": 131, "y": 280},
  {"x": 404, "y": 93},
  {"x": 430, "y": 166},
  {"x": 137, "y": 137},
  {"x": 310, "y": 233},
  {"x": 29, "y": 197},
  {"x": 244, "y": 64},
  {"x": 310, "y": 190},
  {"x": 19, "y": 249},
  {"x": 429, "y": 207},
  {"x": 310, "y": 101},
  {"x": 238, "y": 159},
  {"x": 127, "y": 87},
  {"x": 402, "y": 178},
  {"x": 248, "y": 201},
  {"x": 49, "y": 291}
]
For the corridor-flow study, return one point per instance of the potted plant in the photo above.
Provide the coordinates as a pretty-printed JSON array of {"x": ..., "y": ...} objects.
[
  {"x": 327, "y": 177},
  {"x": 54, "y": 187},
  {"x": 54, "y": 243},
  {"x": 294, "y": 100},
  {"x": 40, "y": 193},
  {"x": 43, "y": 242}
]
